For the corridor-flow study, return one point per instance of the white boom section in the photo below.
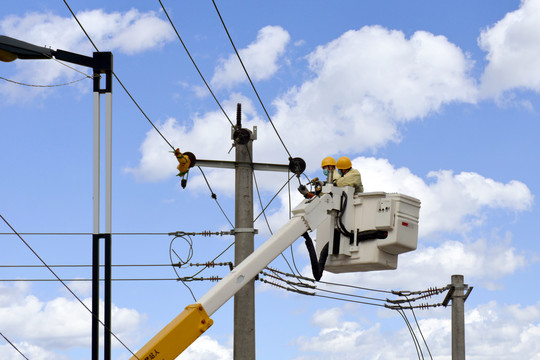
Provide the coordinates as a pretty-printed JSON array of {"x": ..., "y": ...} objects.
[{"x": 307, "y": 216}]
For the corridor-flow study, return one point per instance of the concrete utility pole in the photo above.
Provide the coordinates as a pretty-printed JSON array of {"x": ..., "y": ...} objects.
[
  {"x": 458, "y": 296},
  {"x": 244, "y": 300},
  {"x": 244, "y": 232}
]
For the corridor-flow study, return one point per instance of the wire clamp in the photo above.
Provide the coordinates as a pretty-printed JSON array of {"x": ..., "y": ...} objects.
[{"x": 244, "y": 230}]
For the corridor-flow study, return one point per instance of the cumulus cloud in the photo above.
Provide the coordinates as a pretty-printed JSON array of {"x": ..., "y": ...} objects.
[
  {"x": 205, "y": 135},
  {"x": 367, "y": 82},
  {"x": 482, "y": 262},
  {"x": 450, "y": 202},
  {"x": 260, "y": 59},
  {"x": 207, "y": 348},
  {"x": 342, "y": 338},
  {"x": 128, "y": 32},
  {"x": 494, "y": 331},
  {"x": 57, "y": 324},
  {"x": 7, "y": 352},
  {"x": 513, "y": 49},
  {"x": 364, "y": 85}
]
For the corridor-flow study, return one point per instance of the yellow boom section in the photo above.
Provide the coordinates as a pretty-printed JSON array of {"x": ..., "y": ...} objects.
[{"x": 177, "y": 335}]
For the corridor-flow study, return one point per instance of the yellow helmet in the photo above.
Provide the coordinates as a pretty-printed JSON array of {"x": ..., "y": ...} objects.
[
  {"x": 344, "y": 163},
  {"x": 328, "y": 161}
]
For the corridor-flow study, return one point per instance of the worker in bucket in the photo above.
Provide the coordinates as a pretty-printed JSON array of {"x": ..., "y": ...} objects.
[
  {"x": 349, "y": 176},
  {"x": 328, "y": 166}
]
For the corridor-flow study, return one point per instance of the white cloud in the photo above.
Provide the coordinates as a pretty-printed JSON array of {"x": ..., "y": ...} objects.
[
  {"x": 513, "y": 47},
  {"x": 7, "y": 352},
  {"x": 364, "y": 85},
  {"x": 60, "y": 323},
  {"x": 129, "y": 32},
  {"x": 260, "y": 59},
  {"x": 493, "y": 331},
  {"x": 367, "y": 82},
  {"x": 207, "y": 348},
  {"x": 451, "y": 202},
  {"x": 208, "y": 135},
  {"x": 482, "y": 262}
]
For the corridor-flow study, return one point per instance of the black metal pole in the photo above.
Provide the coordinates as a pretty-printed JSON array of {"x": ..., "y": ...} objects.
[
  {"x": 95, "y": 296},
  {"x": 107, "y": 296}
]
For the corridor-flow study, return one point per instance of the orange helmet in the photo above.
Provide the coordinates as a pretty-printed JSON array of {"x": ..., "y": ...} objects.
[
  {"x": 328, "y": 161},
  {"x": 344, "y": 163}
]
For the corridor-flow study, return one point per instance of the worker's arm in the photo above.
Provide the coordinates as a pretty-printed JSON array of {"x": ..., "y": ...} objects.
[
  {"x": 352, "y": 178},
  {"x": 194, "y": 320}
]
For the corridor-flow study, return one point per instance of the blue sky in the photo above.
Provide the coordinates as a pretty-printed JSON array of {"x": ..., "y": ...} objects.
[{"x": 435, "y": 100}]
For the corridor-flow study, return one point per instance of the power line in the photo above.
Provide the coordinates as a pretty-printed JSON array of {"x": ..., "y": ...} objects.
[
  {"x": 141, "y": 110},
  {"x": 194, "y": 64},
  {"x": 41, "y": 86},
  {"x": 421, "y": 333},
  {"x": 214, "y": 196},
  {"x": 272, "y": 199},
  {"x": 333, "y": 283},
  {"x": 82, "y": 28},
  {"x": 85, "y": 279},
  {"x": 413, "y": 335},
  {"x": 83, "y": 233},
  {"x": 13, "y": 345},
  {"x": 117, "y": 78},
  {"x": 83, "y": 266},
  {"x": 249, "y": 78},
  {"x": 64, "y": 284}
]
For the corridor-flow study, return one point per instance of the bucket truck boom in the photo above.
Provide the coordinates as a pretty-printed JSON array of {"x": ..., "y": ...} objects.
[{"x": 368, "y": 239}]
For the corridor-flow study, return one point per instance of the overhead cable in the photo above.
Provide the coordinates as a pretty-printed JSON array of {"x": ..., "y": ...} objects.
[
  {"x": 421, "y": 334},
  {"x": 194, "y": 63},
  {"x": 65, "y": 285},
  {"x": 117, "y": 78},
  {"x": 13, "y": 346},
  {"x": 214, "y": 196},
  {"x": 41, "y": 86},
  {"x": 249, "y": 78}
]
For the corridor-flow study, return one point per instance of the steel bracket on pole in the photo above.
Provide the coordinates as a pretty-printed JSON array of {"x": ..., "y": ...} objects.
[{"x": 244, "y": 230}]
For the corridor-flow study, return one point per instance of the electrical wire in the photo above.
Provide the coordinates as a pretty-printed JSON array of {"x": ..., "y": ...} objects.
[
  {"x": 277, "y": 193},
  {"x": 84, "y": 279},
  {"x": 139, "y": 107},
  {"x": 13, "y": 345},
  {"x": 315, "y": 287},
  {"x": 65, "y": 285},
  {"x": 249, "y": 78},
  {"x": 348, "y": 300},
  {"x": 82, "y": 266},
  {"x": 117, "y": 78},
  {"x": 141, "y": 110},
  {"x": 80, "y": 233},
  {"x": 290, "y": 213},
  {"x": 189, "y": 256},
  {"x": 80, "y": 25},
  {"x": 398, "y": 308},
  {"x": 193, "y": 61},
  {"x": 419, "y": 352},
  {"x": 260, "y": 202},
  {"x": 335, "y": 283},
  {"x": 214, "y": 196},
  {"x": 41, "y": 86},
  {"x": 421, "y": 333}
]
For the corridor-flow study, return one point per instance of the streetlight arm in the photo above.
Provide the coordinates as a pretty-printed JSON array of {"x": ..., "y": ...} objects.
[
  {"x": 74, "y": 58},
  {"x": 24, "y": 50},
  {"x": 13, "y": 49}
]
